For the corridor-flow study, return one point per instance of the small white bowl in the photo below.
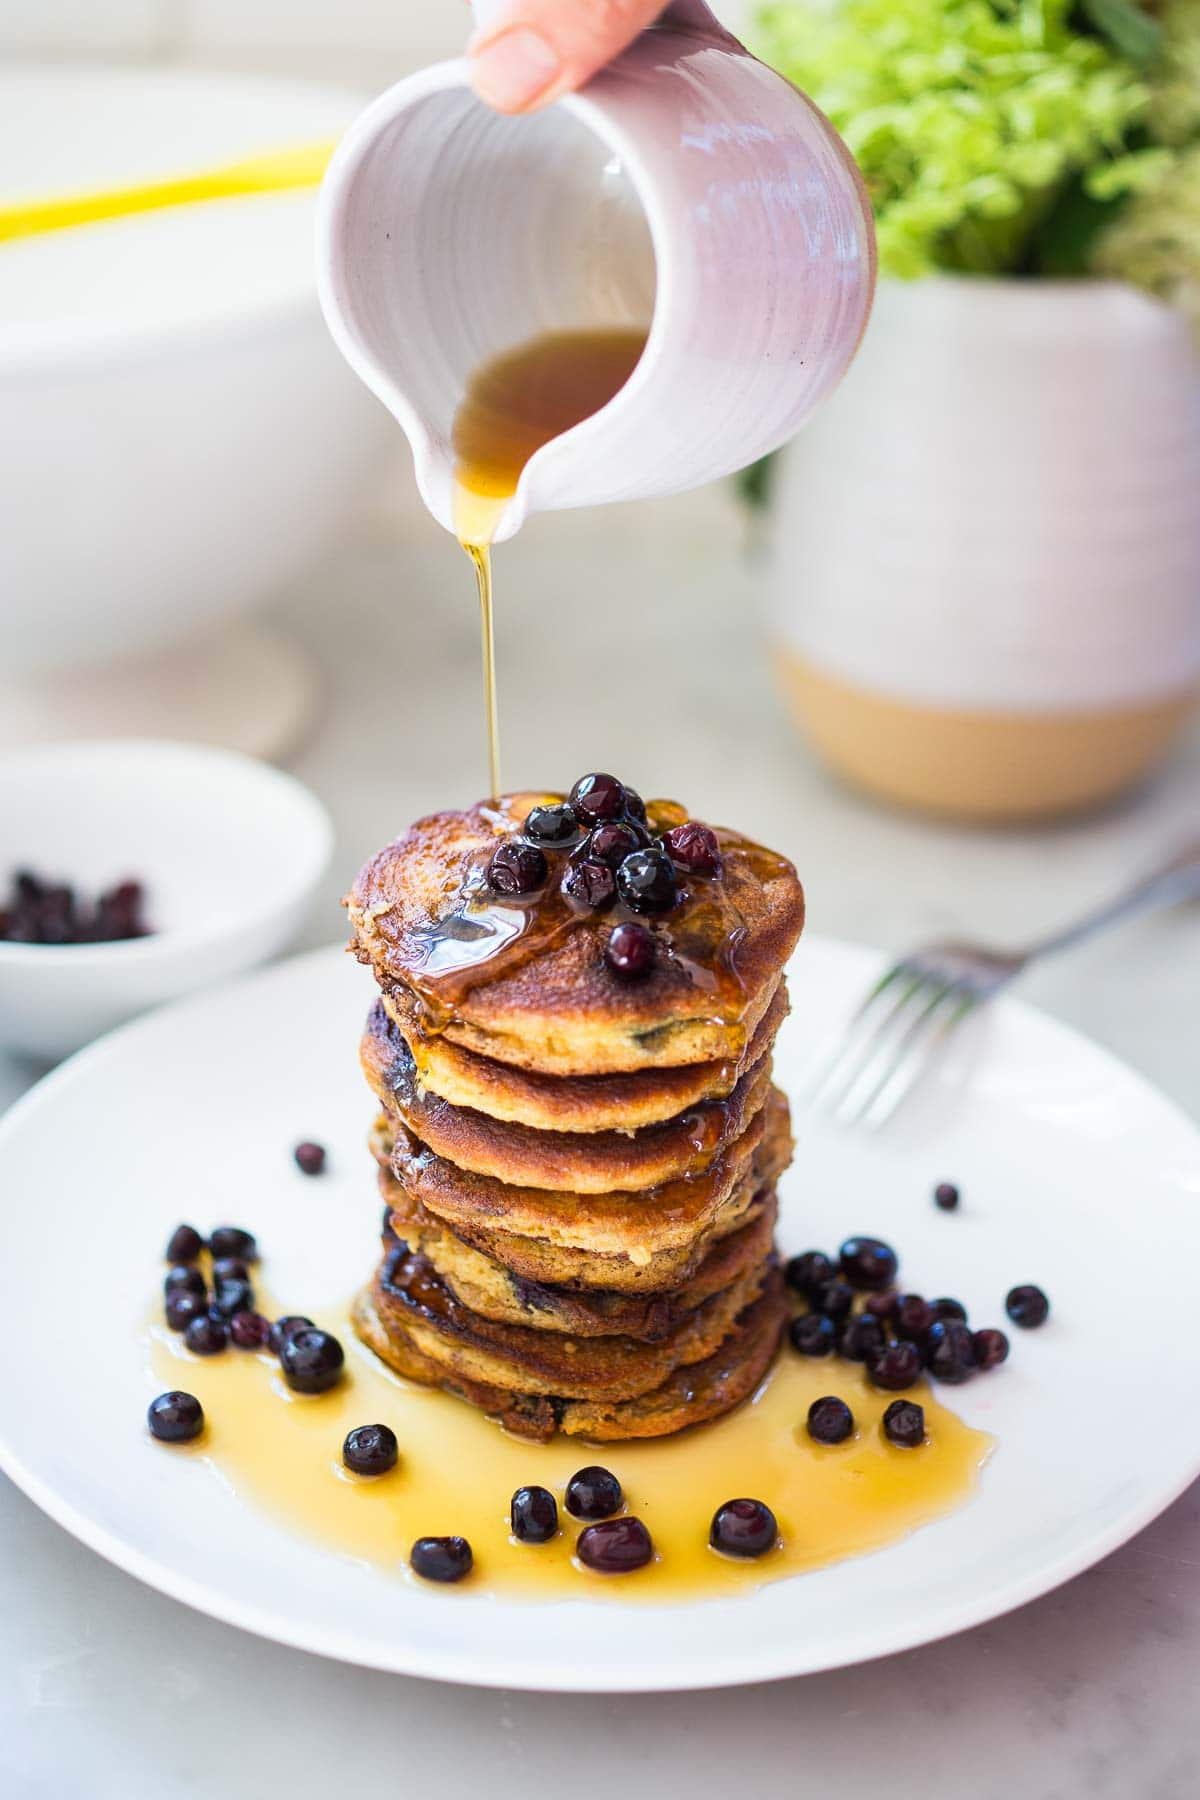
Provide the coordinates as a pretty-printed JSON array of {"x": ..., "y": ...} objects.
[{"x": 230, "y": 852}]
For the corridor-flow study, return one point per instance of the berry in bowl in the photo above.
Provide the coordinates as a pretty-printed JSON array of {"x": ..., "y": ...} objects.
[{"x": 138, "y": 871}]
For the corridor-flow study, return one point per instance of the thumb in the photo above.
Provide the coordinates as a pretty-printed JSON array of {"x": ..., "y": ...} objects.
[{"x": 534, "y": 50}]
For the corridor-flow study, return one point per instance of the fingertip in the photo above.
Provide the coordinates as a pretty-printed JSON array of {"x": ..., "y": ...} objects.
[{"x": 516, "y": 69}]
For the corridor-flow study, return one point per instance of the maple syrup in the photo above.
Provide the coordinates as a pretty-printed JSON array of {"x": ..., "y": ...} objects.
[
  {"x": 457, "y": 1470},
  {"x": 515, "y": 403},
  {"x": 457, "y": 1473},
  {"x": 481, "y": 938}
]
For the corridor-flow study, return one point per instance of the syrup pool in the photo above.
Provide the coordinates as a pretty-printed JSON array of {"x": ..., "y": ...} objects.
[{"x": 281, "y": 1452}]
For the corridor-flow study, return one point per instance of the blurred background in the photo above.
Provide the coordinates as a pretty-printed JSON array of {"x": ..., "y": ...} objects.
[{"x": 943, "y": 651}]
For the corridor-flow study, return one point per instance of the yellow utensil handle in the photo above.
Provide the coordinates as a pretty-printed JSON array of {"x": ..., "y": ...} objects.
[{"x": 272, "y": 172}]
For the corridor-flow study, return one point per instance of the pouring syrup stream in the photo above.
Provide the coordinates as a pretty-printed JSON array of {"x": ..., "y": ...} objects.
[{"x": 515, "y": 403}]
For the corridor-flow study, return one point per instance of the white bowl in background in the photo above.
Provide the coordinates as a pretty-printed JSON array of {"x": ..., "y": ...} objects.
[
  {"x": 178, "y": 436},
  {"x": 229, "y": 849}
]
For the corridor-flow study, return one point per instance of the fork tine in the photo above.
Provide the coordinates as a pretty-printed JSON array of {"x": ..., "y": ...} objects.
[
  {"x": 838, "y": 1046},
  {"x": 883, "y": 1012},
  {"x": 888, "y": 1048},
  {"x": 913, "y": 1071},
  {"x": 880, "y": 1090}
]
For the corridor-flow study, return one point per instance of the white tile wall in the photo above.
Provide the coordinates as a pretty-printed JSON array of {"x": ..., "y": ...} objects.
[
  {"x": 124, "y": 27},
  {"x": 290, "y": 34},
  {"x": 429, "y": 27},
  {"x": 438, "y": 25}
]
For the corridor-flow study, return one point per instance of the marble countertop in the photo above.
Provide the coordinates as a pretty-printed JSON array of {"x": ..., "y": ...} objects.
[{"x": 633, "y": 640}]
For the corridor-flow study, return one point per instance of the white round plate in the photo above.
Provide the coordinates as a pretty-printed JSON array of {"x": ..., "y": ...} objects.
[{"x": 1074, "y": 1174}]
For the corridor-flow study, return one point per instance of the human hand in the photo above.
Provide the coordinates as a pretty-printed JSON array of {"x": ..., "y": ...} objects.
[{"x": 531, "y": 51}]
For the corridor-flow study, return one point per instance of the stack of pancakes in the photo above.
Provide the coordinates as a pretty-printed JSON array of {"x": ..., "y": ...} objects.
[{"x": 578, "y": 1169}]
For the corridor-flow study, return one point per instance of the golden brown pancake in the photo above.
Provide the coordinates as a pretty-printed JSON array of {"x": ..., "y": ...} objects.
[
  {"x": 410, "y": 1296},
  {"x": 596, "y": 1162},
  {"x": 526, "y": 982},
  {"x": 689, "y": 1396},
  {"x": 580, "y": 1102},
  {"x": 619, "y": 1223},
  {"x": 542, "y": 1260},
  {"x": 578, "y": 1165},
  {"x": 489, "y": 1288},
  {"x": 536, "y": 1259}
]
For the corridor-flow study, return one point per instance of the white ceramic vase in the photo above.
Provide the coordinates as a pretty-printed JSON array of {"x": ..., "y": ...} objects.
[{"x": 986, "y": 548}]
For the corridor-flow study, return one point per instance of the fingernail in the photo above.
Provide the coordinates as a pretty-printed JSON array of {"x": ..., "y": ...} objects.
[{"x": 513, "y": 69}]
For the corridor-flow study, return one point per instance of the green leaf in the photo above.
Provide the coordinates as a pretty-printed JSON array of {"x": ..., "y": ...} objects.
[
  {"x": 1130, "y": 30},
  {"x": 1063, "y": 245},
  {"x": 969, "y": 118},
  {"x": 754, "y": 482}
]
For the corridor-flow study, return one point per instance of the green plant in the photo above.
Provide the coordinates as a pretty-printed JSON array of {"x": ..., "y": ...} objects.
[
  {"x": 995, "y": 136},
  {"x": 1154, "y": 239},
  {"x": 1011, "y": 137}
]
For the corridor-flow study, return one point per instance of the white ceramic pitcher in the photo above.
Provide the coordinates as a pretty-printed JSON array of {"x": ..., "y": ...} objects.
[{"x": 687, "y": 187}]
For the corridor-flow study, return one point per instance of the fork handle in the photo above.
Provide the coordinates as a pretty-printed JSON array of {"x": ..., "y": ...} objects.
[{"x": 1172, "y": 882}]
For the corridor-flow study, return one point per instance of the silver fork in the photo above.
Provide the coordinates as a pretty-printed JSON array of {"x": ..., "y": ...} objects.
[{"x": 908, "y": 1015}]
